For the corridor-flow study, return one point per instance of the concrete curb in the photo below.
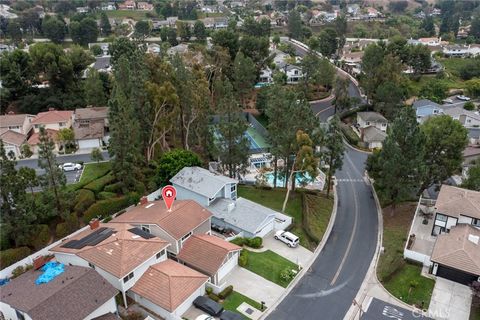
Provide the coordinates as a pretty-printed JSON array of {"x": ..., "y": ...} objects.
[
  {"x": 307, "y": 267},
  {"x": 330, "y": 97}
]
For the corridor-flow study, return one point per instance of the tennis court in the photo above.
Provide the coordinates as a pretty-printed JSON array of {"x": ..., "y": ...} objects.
[{"x": 257, "y": 141}]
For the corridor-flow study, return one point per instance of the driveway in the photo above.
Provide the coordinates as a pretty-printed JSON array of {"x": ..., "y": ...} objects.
[
  {"x": 298, "y": 255},
  {"x": 254, "y": 286},
  {"x": 450, "y": 300}
]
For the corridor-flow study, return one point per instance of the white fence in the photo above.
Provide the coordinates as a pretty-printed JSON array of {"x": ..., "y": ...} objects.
[
  {"x": 417, "y": 256},
  {"x": 282, "y": 221}
]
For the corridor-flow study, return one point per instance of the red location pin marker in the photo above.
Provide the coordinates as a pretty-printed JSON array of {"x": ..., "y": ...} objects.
[{"x": 168, "y": 194}]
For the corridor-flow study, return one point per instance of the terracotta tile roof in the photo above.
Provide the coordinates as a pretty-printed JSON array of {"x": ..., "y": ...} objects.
[
  {"x": 120, "y": 253},
  {"x": 454, "y": 201},
  {"x": 35, "y": 138},
  {"x": 185, "y": 216},
  {"x": 13, "y": 120},
  {"x": 91, "y": 113},
  {"x": 13, "y": 137},
  {"x": 73, "y": 295},
  {"x": 206, "y": 253},
  {"x": 458, "y": 249},
  {"x": 168, "y": 284},
  {"x": 53, "y": 116}
]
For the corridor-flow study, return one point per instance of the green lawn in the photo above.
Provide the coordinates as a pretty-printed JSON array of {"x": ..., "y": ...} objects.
[
  {"x": 132, "y": 14},
  {"x": 93, "y": 171},
  {"x": 319, "y": 211},
  {"x": 259, "y": 139},
  {"x": 475, "y": 309},
  {"x": 235, "y": 299},
  {"x": 269, "y": 265},
  {"x": 410, "y": 286}
]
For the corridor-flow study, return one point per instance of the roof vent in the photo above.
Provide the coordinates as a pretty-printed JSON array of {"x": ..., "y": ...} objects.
[{"x": 474, "y": 239}]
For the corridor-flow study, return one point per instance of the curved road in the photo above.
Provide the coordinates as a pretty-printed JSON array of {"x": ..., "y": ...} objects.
[{"x": 329, "y": 287}]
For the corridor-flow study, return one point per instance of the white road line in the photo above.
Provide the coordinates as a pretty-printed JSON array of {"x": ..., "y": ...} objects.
[{"x": 335, "y": 277}]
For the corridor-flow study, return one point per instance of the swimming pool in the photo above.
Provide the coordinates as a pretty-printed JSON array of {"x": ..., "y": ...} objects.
[{"x": 300, "y": 179}]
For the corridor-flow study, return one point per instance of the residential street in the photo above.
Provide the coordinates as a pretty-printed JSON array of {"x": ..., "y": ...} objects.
[{"x": 329, "y": 288}]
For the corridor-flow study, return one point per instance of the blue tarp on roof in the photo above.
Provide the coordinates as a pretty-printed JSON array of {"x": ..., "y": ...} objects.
[
  {"x": 4, "y": 281},
  {"x": 50, "y": 271}
]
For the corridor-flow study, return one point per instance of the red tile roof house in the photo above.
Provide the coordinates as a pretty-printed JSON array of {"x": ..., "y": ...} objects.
[
  {"x": 76, "y": 294},
  {"x": 120, "y": 253},
  {"x": 53, "y": 119},
  {"x": 15, "y": 129},
  {"x": 211, "y": 256},
  {"x": 168, "y": 288}
]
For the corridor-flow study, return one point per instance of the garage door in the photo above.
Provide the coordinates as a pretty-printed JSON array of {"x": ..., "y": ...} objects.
[
  {"x": 87, "y": 144},
  {"x": 455, "y": 275}
]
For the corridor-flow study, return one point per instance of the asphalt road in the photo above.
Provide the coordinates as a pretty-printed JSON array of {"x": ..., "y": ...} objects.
[
  {"x": 329, "y": 287},
  {"x": 380, "y": 310}
]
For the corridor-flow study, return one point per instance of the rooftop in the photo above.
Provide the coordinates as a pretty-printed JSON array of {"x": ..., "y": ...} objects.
[
  {"x": 7, "y": 120},
  {"x": 424, "y": 103},
  {"x": 242, "y": 213},
  {"x": 168, "y": 284},
  {"x": 113, "y": 247},
  {"x": 91, "y": 113},
  {"x": 459, "y": 249},
  {"x": 372, "y": 116},
  {"x": 13, "y": 137},
  {"x": 52, "y": 116},
  {"x": 185, "y": 215},
  {"x": 372, "y": 134},
  {"x": 74, "y": 294},
  {"x": 206, "y": 253},
  {"x": 201, "y": 181},
  {"x": 94, "y": 130},
  {"x": 35, "y": 138},
  {"x": 454, "y": 201}
]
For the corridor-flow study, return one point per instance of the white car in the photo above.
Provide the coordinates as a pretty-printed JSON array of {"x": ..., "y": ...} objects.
[
  {"x": 463, "y": 98},
  {"x": 69, "y": 166},
  {"x": 204, "y": 317},
  {"x": 286, "y": 237},
  {"x": 447, "y": 101}
]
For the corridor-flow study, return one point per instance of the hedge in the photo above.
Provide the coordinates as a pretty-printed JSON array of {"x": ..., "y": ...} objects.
[
  {"x": 104, "y": 195},
  {"x": 349, "y": 134},
  {"x": 104, "y": 208},
  {"x": 84, "y": 199},
  {"x": 214, "y": 297},
  {"x": 225, "y": 292},
  {"x": 98, "y": 185},
  {"x": 115, "y": 187},
  {"x": 243, "y": 258},
  {"x": 10, "y": 256},
  {"x": 249, "y": 242}
]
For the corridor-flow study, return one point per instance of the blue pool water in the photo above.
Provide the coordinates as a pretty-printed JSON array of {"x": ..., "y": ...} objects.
[{"x": 300, "y": 179}]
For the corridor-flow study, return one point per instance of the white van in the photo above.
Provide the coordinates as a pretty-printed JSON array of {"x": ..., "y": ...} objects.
[{"x": 289, "y": 238}]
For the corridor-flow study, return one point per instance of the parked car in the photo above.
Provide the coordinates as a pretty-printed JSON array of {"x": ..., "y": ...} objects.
[
  {"x": 230, "y": 315},
  {"x": 204, "y": 317},
  {"x": 463, "y": 98},
  {"x": 69, "y": 166},
  {"x": 447, "y": 100},
  {"x": 289, "y": 238},
  {"x": 208, "y": 305}
]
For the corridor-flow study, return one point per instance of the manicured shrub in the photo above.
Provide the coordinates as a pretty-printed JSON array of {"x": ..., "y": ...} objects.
[
  {"x": 208, "y": 290},
  {"x": 98, "y": 185},
  {"x": 115, "y": 187},
  {"x": 243, "y": 258},
  {"x": 225, "y": 292},
  {"x": 10, "y": 256},
  {"x": 106, "y": 195},
  {"x": 41, "y": 236},
  {"x": 287, "y": 274},
  {"x": 254, "y": 242},
  {"x": 214, "y": 297},
  {"x": 469, "y": 106},
  {"x": 239, "y": 241},
  {"x": 104, "y": 208},
  {"x": 84, "y": 199}
]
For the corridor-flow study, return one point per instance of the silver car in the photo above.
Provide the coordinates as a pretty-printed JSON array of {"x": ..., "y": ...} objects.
[{"x": 70, "y": 166}]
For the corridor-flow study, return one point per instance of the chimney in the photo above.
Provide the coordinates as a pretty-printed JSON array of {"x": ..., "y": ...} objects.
[
  {"x": 11, "y": 112},
  {"x": 143, "y": 200},
  {"x": 39, "y": 262},
  {"x": 94, "y": 224}
]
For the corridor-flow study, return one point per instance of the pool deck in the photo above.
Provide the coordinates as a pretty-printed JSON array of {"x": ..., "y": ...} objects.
[{"x": 259, "y": 139}]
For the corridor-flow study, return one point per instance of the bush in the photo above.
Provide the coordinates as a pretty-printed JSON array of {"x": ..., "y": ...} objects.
[
  {"x": 103, "y": 195},
  {"x": 107, "y": 219},
  {"x": 115, "y": 188},
  {"x": 41, "y": 236},
  {"x": 61, "y": 230},
  {"x": 208, "y": 290},
  {"x": 254, "y": 242},
  {"x": 98, "y": 185},
  {"x": 104, "y": 208},
  {"x": 225, "y": 292},
  {"x": 469, "y": 106},
  {"x": 84, "y": 199},
  {"x": 287, "y": 274},
  {"x": 349, "y": 134},
  {"x": 239, "y": 241},
  {"x": 243, "y": 258},
  {"x": 214, "y": 297},
  {"x": 10, "y": 256}
]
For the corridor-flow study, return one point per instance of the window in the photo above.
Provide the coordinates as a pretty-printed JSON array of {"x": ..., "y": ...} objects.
[
  {"x": 367, "y": 123},
  {"x": 20, "y": 315},
  {"x": 13, "y": 127},
  {"x": 91, "y": 265},
  {"x": 185, "y": 237},
  {"x": 233, "y": 188},
  {"x": 384, "y": 124},
  {"x": 37, "y": 126},
  {"x": 146, "y": 229},
  {"x": 441, "y": 217},
  {"x": 295, "y": 72},
  {"x": 160, "y": 254},
  {"x": 126, "y": 278},
  {"x": 62, "y": 124},
  {"x": 476, "y": 222},
  {"x": 435, "y": 111}
]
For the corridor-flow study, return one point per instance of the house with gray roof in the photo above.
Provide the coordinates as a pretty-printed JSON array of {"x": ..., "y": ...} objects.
[
  {"x": 375, "y": 119},
  {"x": 467, "y": 118},
  {"x": 372, "y": 137},
  {"x": 77, "y": 293},
  {"x": 218, "y": 194},
  {"x": 425, "y": 108}
]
